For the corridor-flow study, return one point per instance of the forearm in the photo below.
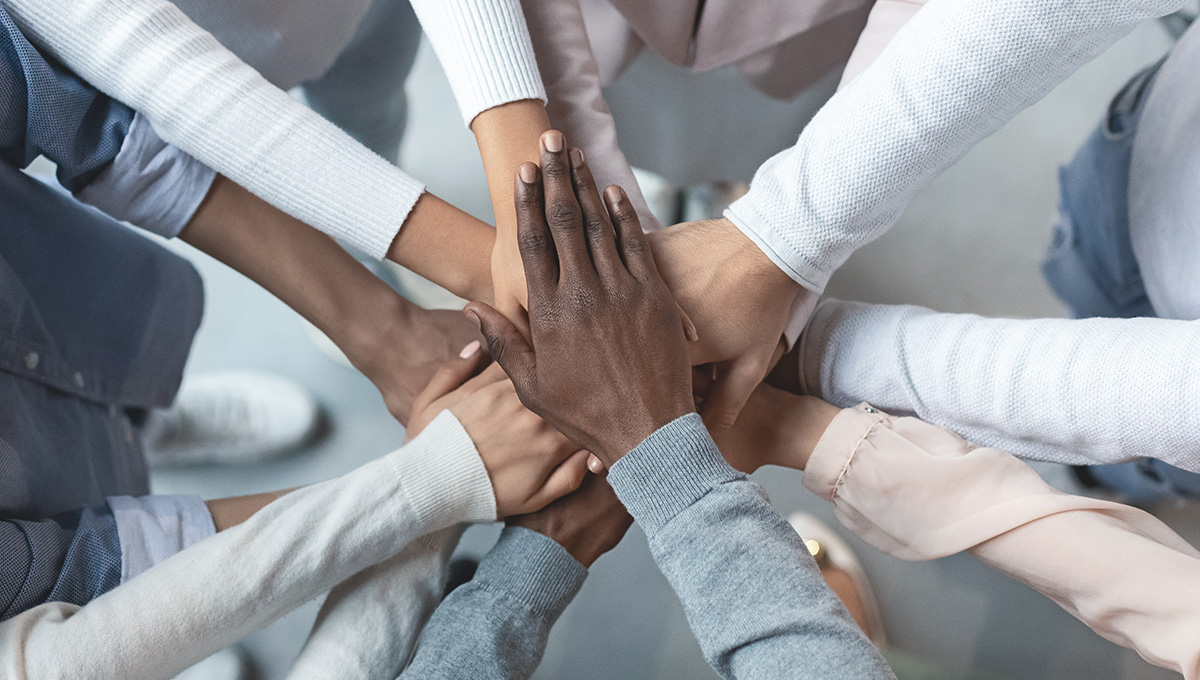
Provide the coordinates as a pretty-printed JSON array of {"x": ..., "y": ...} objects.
[
  {"x": 447, "y": 246},
  {"x": 1118, "y": 569},
  {"x": 727, "y": 554},
  {"x": 204, "y": 100},
  {"x": 232, "y": 511},
  {"x": 954, "y": 74},
  {"x": 243, "y": 578},
  {"x": 507, "y": 136},
  {"x": 496, "y": 626},
  {"x": 1068, "y": 391}
]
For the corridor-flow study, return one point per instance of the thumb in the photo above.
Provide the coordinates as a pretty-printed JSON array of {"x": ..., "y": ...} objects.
[
  {"x": 508, "y": 347},
  {"x": 731, "y": 391},
  {"x": 449, "y": 377}
]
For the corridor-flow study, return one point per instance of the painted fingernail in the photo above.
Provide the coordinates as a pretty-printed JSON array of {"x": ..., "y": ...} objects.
[
  {"x": 469, "y": 351},
  {"x": 528, "y": 172},
  {"x": 577, "y": 158},
  {"x": 553, "y": 141},
  {"x": 614, "y": 193}
]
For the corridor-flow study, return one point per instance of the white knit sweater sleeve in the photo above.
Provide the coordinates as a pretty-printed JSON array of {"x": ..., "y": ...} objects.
[
  {"x": 220, "y": 589},
  {"x": 1068, "y": 391},
  {"x": 203, "y": 99},
  {"x": 485, "y": 49},
  {"x": 954, "y": 74}
]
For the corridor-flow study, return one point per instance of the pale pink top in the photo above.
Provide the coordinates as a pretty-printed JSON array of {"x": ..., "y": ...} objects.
[
  {"x": 919, "y": 492},
  {"x": 782, "y": 46}
]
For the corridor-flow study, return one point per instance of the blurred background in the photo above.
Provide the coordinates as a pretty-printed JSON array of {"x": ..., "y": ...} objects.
[{"x": 971, "y": 242}]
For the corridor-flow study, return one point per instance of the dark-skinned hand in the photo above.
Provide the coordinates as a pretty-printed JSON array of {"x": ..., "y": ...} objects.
[
  {"x": 607, "y": 364},
  {"x": 588, "y": 522}
]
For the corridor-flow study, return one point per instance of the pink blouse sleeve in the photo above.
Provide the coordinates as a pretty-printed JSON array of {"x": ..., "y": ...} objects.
[
  {"x": 919, "y": 492},
  {"x": 576, "y": 103}
]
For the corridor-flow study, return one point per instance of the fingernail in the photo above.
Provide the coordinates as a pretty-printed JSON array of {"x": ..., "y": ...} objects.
[
  {"x": 470, "y": 350},
  {"x": 595, "y": 465},
  {"x": 553, "y": 141},
  {"x": 474, "y": 317},
  {"x": 528, "y": 172},
  {"x": 614, "y": 193},
  {"x": 577, "y": 158}
]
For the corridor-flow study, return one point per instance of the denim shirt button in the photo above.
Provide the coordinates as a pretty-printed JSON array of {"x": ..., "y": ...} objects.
[
  {"x": 79, "y": 380},
  {"x": 31, "y": 360}
]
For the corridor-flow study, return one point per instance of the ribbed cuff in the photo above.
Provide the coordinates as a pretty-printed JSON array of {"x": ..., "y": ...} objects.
[
  {"x": 835, "y": 450},
  {"x": 485, "y": 50},
  {"x": 533, "y": 569},
  {"x": 744, "y": 216},
  {"x": 443, "y": 476},
  {"x": 669, "y": 471}
]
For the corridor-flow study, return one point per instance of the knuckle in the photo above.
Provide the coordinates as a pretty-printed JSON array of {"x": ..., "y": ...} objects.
[
  {"x": 562, "y": 214},
  {"x": 555, "y": 168},
  {"x": 637, "y": 245},
  {"x": 625, "y": 214},
  {"x": 595, "y": 224},
  {"x": 532, "y": 242}
]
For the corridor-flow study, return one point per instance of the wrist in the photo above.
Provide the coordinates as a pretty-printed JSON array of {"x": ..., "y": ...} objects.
[{"x": 631, "y": 433}]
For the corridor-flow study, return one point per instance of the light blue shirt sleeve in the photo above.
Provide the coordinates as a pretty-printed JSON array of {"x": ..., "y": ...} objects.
[
  {"x": 153, "y": 528},
  {"x": 150, "y": 183}
]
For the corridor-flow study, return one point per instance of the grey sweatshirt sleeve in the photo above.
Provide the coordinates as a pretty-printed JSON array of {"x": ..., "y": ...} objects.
[
  {"x": 752, "y": 594},
  {"x": 496, "y": 626}
]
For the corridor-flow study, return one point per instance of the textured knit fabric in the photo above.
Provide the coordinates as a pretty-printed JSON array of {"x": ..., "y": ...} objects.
[
  {"x": 369, "y": 624},
  {"x": 153, "y": 528},
  {"x": 495, "y": 627},
  {"x": 954, "y": 74},
  {"x": 753, "y": 595},
  {"x": 46, "y": 110},
  {"x": 485, "y": 49},
  {"x": 205, "y": 101},
  {"x": 1164, "y": 221},
  {"x": 920, "y": 492},
  {"x": 212, "y": 594},
  {"x": 73, "y": 557},
  {"x": 1068, "y": 391},
  {"x": 150, "y": 183}
]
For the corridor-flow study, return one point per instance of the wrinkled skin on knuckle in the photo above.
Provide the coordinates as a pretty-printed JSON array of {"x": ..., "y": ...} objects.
[
  {"x": 555, "y": 168},
  {"x": 595, "y": 224},
  {"x": 532, "y": 242},
  {"x": 562, "y": 215}
]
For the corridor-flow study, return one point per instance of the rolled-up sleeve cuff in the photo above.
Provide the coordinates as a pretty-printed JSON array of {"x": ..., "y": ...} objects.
[
  {"x": 153, "y": 528},
  {"x": 669, "y": 471},
  {"x": 532, "y": 569},
  {"x": 746, "y": 218},
  {"x": 834, "y": 452},
  {"x": 150, "y": 183}
]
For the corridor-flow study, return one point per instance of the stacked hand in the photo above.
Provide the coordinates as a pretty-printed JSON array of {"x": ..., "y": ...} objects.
[
  {"x": 735, "y": 301},
  {"x": 607, "y": 361},
  {"x": 588, "y": 522},
  {"x": 529, "y": 463}
]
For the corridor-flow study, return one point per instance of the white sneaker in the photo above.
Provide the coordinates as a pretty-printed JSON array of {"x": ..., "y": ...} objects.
[
  {"x": 231, "y": 417},
  {"x": 228, "y": 664}
]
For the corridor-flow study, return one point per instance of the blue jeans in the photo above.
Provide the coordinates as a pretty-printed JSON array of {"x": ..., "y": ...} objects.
[{"x": 1091, "y": 265}]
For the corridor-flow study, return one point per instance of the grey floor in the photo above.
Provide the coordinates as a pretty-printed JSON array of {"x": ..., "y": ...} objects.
[{"x": 971, "y": 242}]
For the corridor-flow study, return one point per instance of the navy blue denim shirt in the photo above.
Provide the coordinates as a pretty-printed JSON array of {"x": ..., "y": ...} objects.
[{"x": 96, "y": 322}]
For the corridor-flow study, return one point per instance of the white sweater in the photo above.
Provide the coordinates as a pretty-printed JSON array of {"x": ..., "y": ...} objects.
[
  {"x": 956, "y": 72},
  {"x": 220, "y": 589},
  {"x": 200, "y": 97},
  {"x": 1068, "y": 391}
]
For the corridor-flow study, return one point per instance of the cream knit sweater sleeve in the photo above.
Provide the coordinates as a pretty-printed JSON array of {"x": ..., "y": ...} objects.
[
  {"x": 955, "y": 73},
  {"x": 220, "y": 589},
  {"x": 201, "y": 98}
]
